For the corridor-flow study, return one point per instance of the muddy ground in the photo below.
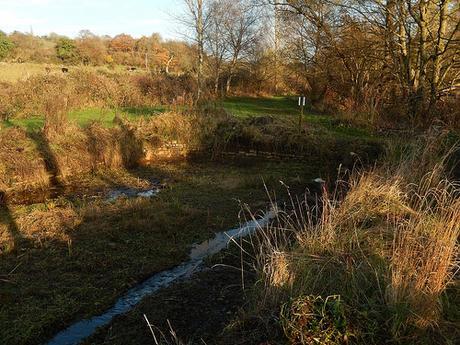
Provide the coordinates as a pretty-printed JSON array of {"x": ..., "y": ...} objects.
[
  {"x": 205, "y": 309},
  {"x": 67, "y": 259}
]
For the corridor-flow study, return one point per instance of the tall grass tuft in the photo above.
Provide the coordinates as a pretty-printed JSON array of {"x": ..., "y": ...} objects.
[
  {"x": 387, "y": 247},
  {"x": 425, "y": 252}
]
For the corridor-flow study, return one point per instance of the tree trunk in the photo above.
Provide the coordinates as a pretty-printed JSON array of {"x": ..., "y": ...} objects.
[
  {"x": 228, "y": 84},
  {"x": 440, "y": 45},
  {"x": 231, "y": 71},
  {"x": 168, "y": 64},
  {"x": 200, "y": 37},
  {"x": 216, "y": 84}
]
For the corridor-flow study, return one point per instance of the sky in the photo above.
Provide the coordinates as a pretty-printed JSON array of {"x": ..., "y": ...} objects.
[{"x": 102, "y": 17}]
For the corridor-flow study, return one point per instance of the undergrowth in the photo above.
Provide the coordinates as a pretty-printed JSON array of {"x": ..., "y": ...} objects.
[
  {"x": 62, "y": 149},
  {"x": 372, "y": 261}
]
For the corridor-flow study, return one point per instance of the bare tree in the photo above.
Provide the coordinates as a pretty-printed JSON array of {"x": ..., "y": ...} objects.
[
  {"x": 411, "y": 44},
  {"x": 216, "y": 42},
  {"x": 424, "y": 46},
  {"x": 241, "y": 31},
  {"x": 196, "y": 19}
]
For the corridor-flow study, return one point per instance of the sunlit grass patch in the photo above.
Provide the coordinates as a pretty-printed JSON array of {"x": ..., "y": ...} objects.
[
  {"x": 287, "y": 109},
  {"x": 12, "y": 72},
  {"x": 84, "y": 117},
  {"x": 252, "y": 106}
]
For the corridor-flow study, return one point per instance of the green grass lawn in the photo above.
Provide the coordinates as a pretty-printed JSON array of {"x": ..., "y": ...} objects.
[
  {"x": 250, "y": 106},
  {"x": 84, "y": 117},
  {"x": 106, "y": 116},
  {"x": 285, "y": 108}
]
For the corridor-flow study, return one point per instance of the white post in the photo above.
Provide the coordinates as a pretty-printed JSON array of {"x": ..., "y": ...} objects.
[{"x": 302, "y": 103}]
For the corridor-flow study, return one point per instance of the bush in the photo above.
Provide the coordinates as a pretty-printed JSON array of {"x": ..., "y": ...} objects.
[
  {"x": 67, "y": 51},
  {"x": 167, "y": 89},
  {"x": 83, "y": 87},
  {"x": 5, "y": 46}
]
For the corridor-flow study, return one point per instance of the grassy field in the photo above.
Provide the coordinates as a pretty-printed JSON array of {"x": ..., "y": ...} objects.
[
  {"x": 83, "y": 117},
  {"x": 249, "y": 106},
  {"x": 287, "y": 108},
  {"x": 284, "y": 108},
  {"x": 73, "y": 257},
  {"x": 12, "y": 72}
]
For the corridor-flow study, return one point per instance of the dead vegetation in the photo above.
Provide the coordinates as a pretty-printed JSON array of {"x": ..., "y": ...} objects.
[
  {"x": 376, "y": 265},
  {"x": 53, "y": 94},
  {"x": 61, "y": 150}
]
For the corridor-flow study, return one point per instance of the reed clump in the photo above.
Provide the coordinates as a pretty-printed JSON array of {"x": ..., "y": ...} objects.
[{"x": 388, "y": 247}]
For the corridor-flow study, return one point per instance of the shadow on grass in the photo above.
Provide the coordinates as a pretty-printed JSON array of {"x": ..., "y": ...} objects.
[
  {"x": 51, "y": 164},
  {"x": 29, "y": 124},
  {"x": 144, "y": 111},
  {"x": 92, "y": 257},
  {"x": 7, "y": 219}
]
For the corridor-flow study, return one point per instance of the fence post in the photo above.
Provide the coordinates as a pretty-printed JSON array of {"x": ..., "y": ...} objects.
[{"x": 302, "y": 103}]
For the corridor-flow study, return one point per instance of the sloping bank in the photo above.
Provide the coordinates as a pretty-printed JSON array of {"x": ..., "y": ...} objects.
[
  {"x": 41, "y": 161},
  {"x": 66, "y": 260}
]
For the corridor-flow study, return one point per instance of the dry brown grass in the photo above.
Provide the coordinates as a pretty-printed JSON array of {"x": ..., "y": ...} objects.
[
  {"x": 20, "y": 163},
  {"x": 425, "y": 252},
  {"x": 63, "y": 150},
  {"x": 192, "y": 129},
  {"x": 52, "y": 224},
  {"x": 54, "y": 94},
  {"x": 41, "y": 227},
  {"x": 389, "y": 245}
]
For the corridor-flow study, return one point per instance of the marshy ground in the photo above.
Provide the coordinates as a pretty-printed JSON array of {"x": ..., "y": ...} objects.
[
  {"x": 201, "y": 309},
  {"x": 70, "y": 258},
  {"x": 68, "y": 250}
]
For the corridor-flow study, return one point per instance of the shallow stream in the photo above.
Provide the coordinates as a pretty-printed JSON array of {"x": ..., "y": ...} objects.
[{"x": 81, "y": 330}]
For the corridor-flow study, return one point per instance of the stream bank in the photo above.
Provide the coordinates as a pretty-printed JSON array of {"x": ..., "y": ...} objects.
[
  {"x": 197, "y": 310},
  {"x": 66, "y": 260},
  {"x": 81, "y": 330}
]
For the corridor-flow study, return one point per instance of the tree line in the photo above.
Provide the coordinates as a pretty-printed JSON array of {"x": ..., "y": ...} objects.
[
  {"x": 377, "y": 59},
  {"x": 149, "y": 52},
  {"x": 397, "y": 56}
]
